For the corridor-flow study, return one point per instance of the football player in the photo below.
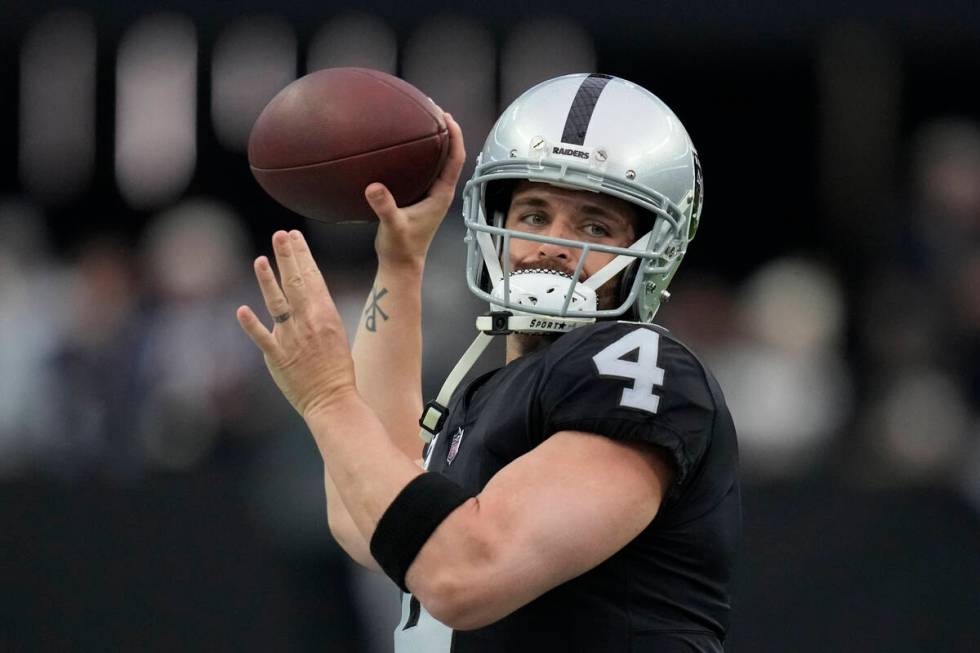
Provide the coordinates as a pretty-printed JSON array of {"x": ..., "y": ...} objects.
[{"x": 584, "y": 496}]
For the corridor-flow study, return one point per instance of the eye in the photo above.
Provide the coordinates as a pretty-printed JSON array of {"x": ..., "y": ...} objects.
[
  {"x": 596, "y": 230},
  {"x": 534, "y": 219}
]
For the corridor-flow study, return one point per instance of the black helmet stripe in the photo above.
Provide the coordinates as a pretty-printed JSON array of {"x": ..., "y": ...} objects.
[{"x": 579, "y": 116}]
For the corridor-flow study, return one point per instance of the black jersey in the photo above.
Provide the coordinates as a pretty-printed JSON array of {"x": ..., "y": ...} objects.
[{"x": 667, "y": 590}]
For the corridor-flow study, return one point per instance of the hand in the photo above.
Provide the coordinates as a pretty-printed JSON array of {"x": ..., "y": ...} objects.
[
  {"x": 405, "y": 233},
  {"x": 306, "y": 351}
]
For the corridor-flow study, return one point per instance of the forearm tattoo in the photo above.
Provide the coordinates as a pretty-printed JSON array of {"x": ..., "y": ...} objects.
[{"x": 374, "y": 310}]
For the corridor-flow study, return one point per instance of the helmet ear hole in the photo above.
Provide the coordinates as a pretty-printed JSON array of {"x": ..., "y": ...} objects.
[
  {"x": 484, "y": 281},
  {"x": 496, "y": 197},
  {"x": 496, "y": 203}
]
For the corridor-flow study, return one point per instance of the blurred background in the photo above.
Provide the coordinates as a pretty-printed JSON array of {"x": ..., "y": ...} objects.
[{"x": 156, "y": 493}]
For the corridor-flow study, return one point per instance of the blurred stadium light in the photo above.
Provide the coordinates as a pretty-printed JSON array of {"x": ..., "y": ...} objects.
[
  {"x": 156, "y": 110},
  {"x": 57, "y": 106},
  {"x": 543, "y": 48},
  {"x": 453, "y": 60},
  {"x": 355, "y": 39},
  {"x": 254, "y": 58}
]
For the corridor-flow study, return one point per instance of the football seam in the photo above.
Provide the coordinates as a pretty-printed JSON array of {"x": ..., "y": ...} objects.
[
  {"x": 351, "y": 156},
  {"x": 401, "y": 92}
]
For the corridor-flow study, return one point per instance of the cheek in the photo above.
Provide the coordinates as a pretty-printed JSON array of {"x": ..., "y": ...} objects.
[
  {"x": 521, "y": 249},
  {"x": 596, "y": 261}
]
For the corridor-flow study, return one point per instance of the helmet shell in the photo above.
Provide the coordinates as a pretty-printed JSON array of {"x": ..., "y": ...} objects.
[
  {"x": 601, "y": 134},
  {"x": 633, "y": 128}
]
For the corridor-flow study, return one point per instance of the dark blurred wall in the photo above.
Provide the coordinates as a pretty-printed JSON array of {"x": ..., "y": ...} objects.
[{"x": 180, "y": 565}]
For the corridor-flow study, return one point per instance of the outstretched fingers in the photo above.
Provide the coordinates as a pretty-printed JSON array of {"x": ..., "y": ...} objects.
[
  {"x": 275, "y": 300},
  {"x": 255, "y": 330},
  {"x": 304, "y": 259},
  {"x": 293, "y": 283},
  {"x": 314, "y": 291}
]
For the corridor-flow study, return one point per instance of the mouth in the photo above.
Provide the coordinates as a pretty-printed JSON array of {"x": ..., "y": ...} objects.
[{"x": 557, "y": 273}]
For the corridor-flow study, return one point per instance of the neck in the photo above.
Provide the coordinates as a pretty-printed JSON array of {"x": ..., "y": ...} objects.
[{"x": 521, "y": 344}]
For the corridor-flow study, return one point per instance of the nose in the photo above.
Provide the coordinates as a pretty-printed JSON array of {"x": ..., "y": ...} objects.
[{"x": 557, "y": 229}]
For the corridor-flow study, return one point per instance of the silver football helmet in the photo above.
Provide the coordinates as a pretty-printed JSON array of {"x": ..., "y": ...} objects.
[{"x": 594, "y": 133}]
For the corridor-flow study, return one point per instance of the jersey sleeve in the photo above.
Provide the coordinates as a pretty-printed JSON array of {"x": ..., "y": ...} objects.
[{"x": 630, "y": 382}]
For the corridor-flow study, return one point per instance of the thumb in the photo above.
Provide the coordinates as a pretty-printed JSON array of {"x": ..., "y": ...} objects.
[{"x": 381, "y": 201}]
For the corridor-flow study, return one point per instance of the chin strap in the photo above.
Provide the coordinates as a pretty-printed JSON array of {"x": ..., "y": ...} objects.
[
  {"x": 617, "y": 265},
  {"x": 504, "y": 322},
  {"x": 495, "y": 324},
  {"x": 434, "y": 413}
]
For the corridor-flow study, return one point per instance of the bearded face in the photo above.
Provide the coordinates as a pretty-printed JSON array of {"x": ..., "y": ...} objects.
[{"x": 588, "y": 217}]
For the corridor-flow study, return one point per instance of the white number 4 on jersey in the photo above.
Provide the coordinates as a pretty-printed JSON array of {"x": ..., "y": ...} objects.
[{"x": 643, "y": 372}]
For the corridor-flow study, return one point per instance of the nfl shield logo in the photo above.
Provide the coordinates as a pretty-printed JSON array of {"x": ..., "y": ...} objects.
[{"x": 454, "y": 446}]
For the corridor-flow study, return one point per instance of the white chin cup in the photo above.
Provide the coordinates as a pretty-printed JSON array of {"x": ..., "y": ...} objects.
[{"x": 545, "y": 292}]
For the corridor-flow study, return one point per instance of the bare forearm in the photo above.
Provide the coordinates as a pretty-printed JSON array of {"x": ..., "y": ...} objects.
[
  {"x": 367, "y": 469},
  {"x": 343, "y": 528},
  {"x": 387, "y": 354},
  {"x": 370, "y": 471}
]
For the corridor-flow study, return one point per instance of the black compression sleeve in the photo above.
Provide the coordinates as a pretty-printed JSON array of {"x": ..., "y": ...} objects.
[{"x": 411, "y": 519}]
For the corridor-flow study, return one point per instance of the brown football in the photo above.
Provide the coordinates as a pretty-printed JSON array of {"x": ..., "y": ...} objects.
[{"x": 327, "y": 135}]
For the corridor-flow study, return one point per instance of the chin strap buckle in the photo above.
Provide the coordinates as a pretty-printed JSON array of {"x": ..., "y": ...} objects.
[
  {"x": 495, "y": 323},
  {"x": 433, "y": 417},
  {"x": 435, "y": 412}
]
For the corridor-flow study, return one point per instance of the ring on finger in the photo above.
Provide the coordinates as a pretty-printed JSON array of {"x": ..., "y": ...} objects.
[{"x": 279, "y": 319}]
